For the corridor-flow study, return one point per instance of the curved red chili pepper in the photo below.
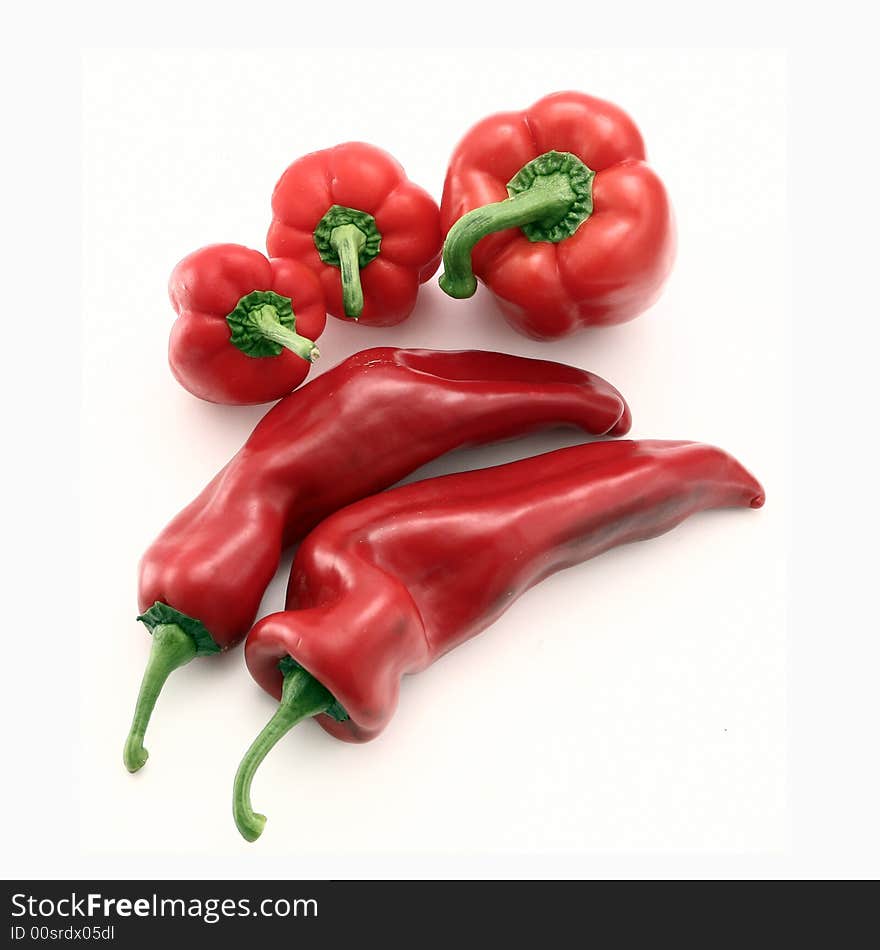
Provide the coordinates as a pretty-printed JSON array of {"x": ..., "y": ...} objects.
[
  {"x": 351, "y": 432},
  {"x": 246, "y": 326},
  {"x": 372, "y": 236},
  {"x": 555, "y": 210},
  {"x": 386, "y": 586}
]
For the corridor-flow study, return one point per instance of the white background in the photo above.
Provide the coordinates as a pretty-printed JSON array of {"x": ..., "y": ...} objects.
[
  {"x": 637, "y": 702},
  {"x": 832, "y": 650}
]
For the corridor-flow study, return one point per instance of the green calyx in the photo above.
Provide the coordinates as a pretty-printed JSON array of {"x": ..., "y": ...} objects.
[
  {"x": 177, "y": 639},
  {"x": 302, "y": 696},
  {"x": 263, "y": 324},
  {"x": 339, "y": 216},
  {"x": 162, "y": 615},
  {"x": 348, "y": 239},
  {"x": 550, "y": 198},
  {"x": 556, "y": 173},
  {"x": 288, "y": 665}
]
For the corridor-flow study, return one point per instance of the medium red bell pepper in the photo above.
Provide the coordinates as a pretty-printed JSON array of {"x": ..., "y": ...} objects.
[
  {"x": 391, "y": 583},
  {"x": 351, "y": 432},
  {"x": 555, "y": 210},
  {"x": 246, "y": 325},
  {"x": 372, "y": 236}
]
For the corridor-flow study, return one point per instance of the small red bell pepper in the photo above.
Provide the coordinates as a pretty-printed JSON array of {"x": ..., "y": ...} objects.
[
  {"x": 351, "y": 432},
  {"x": 555, "y": 210},
  {"x": 246, "y": 326},
  {"x": 372, "y": 236},
  {"x": 388, "y": 585}
]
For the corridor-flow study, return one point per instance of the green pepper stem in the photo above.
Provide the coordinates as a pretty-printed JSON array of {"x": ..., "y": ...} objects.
[
  {"x": 548, "y": 198},
  {"x": 172, "y": 647},
  {"x": 267, "y": 323},
  {"x": 348, "y": 240},
  {"x": 302, "y": 696}
]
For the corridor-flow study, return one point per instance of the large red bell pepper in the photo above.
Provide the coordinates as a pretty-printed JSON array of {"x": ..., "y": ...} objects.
[
  {"x": 246, "y": 326},
  {"x": 371, "y": 235},
  {"x": 555, "y": 210},
  {"x": 393, "y": 582}
]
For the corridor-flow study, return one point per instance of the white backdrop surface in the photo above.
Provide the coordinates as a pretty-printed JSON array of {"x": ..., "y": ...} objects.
[{"x": 633, "y": 704}]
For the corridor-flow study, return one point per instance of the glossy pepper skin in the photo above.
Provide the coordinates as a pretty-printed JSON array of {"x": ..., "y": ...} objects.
[
  {"x": 246, "y": 326},
  {"x": 556, "y": 211},
  {"x": 388, "y": 585},
  {"x": 370, "y": 234},
  {"x": 351, "y": 432},
  {"x": 391, "y": 583}
]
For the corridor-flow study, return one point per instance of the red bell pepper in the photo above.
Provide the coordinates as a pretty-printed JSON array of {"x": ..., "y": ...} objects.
[
  {"x": 351, "y": 432},
  {"x": 393, "y": 582},
  {"x": 555, "y": 210},
  {"x": 372, "y": 236},
  {"x": 246, "y": 325}
]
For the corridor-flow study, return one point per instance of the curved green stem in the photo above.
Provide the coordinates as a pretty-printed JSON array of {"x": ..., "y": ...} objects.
[
  {"x": 302, "y": 696},
  {"x": 270, "y": 327},
  {"x": 263, "y": 322},
  {"x": 172, "y": 647},
  {"x": 348, "y": 240},
  {"x": 549, "y": 198}
]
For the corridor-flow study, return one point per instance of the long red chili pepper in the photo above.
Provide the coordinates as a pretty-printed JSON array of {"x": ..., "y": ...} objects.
[
  {"x": 556, "y": 211},
  {"x": 386, "y": 586},
  {"x": 351, "y": 432}
]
